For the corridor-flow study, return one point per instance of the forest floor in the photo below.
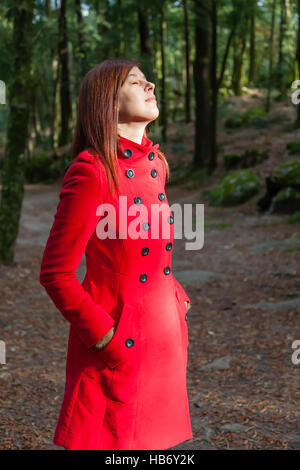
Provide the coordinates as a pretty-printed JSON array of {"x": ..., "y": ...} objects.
[{"x": 243, "y": 387}]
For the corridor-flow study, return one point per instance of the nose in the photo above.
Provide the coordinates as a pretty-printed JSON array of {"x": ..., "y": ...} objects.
[{"x": 150, "y": 86}]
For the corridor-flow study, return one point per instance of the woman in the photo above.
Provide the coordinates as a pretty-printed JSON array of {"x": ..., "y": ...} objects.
[{"x": 127, "y": 350}]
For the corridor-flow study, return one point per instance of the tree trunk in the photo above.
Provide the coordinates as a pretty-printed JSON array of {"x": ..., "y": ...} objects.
[
  {"x": 297, "y": 123},
  {"x": 82, "y": 54},
  {"x": 251, "y": 76},
  {"x": 101, "y": 7},
  {"x": 145, "y": 43},
  {"x": 269, "y": 90},
  {"x": 238, "y": 62},
  {"x": 65, "y": 100},
  {"x": 212, "y": 164},
  {"x": 187, "y": 64},
  {"x": 202, "y": 148},
  {"x": 17, "y": 129},
  {"x": 163, "y": 107}
]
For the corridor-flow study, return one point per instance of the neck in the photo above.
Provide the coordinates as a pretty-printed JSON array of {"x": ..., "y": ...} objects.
[{"x": 132, "y": 133}]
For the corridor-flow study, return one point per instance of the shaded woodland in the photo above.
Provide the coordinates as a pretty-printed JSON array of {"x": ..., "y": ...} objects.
[{"x": 227, "y": 76}]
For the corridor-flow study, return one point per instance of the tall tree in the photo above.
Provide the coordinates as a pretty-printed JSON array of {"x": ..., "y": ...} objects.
[
  {"x": 163, "y": 105},
  {"x": 187, "y": 63},
  {"x": 101, "y": 9},
  {"x": 251, "y": 75},
  {"x": 145, "y": 44},
  {"x": 214, "y": 89},
  {"x": 202, "y": 148},
  {"x": 271, "y": 45},
  {"x": 82, "y": 54},
  {"x": 64, "y": 78},
  {"x": 239, "y": 48},
  {"x": 17, "y": 128},
  {"x": 297, "y": 123}
]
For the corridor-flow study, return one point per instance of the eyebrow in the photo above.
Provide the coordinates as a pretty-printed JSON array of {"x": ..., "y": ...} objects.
[{"x": 136, "y": 75}]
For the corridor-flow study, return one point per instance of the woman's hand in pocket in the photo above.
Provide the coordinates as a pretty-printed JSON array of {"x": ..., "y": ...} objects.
[{"x": 105, "y": 339}]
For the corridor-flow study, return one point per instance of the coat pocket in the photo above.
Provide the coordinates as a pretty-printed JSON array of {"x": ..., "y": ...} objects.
[
  {"x": 182, "y": 308},
  {"x": 124, "y": 342}
]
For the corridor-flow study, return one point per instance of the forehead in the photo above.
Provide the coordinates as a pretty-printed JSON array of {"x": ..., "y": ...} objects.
[{"x": 136, "y": 74}]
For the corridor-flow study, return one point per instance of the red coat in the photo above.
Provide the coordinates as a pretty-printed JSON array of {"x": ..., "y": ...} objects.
[{"x": 132, "y": 394}]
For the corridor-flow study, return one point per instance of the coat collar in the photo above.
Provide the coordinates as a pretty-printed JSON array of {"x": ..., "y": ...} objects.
[{"x": 137, "y": 150}]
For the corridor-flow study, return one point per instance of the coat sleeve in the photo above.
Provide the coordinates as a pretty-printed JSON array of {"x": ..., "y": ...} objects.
[{"x": 74, "y": 223}]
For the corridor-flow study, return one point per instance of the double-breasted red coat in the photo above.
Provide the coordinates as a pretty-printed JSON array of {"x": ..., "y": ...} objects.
[{"x": 133, "y": 393}]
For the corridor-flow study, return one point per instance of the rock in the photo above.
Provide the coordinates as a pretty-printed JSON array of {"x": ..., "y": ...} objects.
[
  {"x": 196, "y": 277},
  {"x": 283, "y": 305},
  {"x": 221, "y": 363},
  {"x": 274, "y": 244},
  {"x": 287, "y": 201},
  {"x": 233, "y": 427},
  {"x": 236, "y": 188},
  {"x": 246, "y": 159},
  {"x": 289, "y": 173}
]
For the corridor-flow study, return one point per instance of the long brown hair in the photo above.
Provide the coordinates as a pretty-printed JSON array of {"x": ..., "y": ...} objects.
[{"x": 97, "y": 115}]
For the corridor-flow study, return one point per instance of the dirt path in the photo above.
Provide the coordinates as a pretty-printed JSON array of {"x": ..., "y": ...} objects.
[
  {"x": 259, "y": 387},
  {"x": 244, "y": 389}
]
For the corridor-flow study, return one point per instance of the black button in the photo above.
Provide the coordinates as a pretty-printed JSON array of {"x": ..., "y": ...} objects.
[
  {"x": 169, "y": 246},
  {"x": 146, "y": 226},
  {"x": 143, "y": 277},
  {"x": 171, "y": 219},
  {"x": 127, "y": 153},
  {"x": 154, "y": 173},
  {"x": 145, "y": 251},
  {"x": 130, "y": 173},
  {"x": 129, "y": 342},
  {"x": 151, "y": 155},
  {"x": 161, "y": 196},
  {"x": 167, "y": 270},
  {"x": 138, "y": 200}
]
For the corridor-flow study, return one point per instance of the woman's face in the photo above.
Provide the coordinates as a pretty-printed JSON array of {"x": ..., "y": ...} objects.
[{"x": 134, "y": 103}]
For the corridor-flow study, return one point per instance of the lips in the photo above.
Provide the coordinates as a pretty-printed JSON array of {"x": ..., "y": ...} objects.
[{"x": 151, "y": 99}]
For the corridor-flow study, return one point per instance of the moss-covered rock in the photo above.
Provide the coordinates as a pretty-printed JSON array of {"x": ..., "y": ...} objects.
[
  {"x": 293, "y": 147},
  {"x": 41, "y": 168},
  {"x": 236, "y": 188},
  {"x": 246, "y": 159},
  {"x": 295, "y": 218},
  {"x": 287, "y": 201},
  {"x": 289, "y": 172}
]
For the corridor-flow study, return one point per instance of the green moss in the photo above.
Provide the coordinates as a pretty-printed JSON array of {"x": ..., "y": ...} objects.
[
  {"x": 236, "y": 188},
  {"x": 293, "y": 147},
  {"x": 287, "y": 201},
  {"x": 289, "y": 172},
  {"x": 246, "y": 159},
  {"x": 294, "y": 219},
  {"x": 41, "y": 168}
]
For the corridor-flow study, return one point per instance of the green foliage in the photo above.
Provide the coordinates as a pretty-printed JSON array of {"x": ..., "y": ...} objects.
[
  {"x": 256, "y": 117},
  {"x": 235, "y": 188},
  {"x": 246, "y": 159},
  {"x": 289, "y": 172},
  {"x": 293, "y": 147},
  {"x": 41, "y": 168},
  {"x": 295, "y": 218},
  {"x": 287, "y": 201}
]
